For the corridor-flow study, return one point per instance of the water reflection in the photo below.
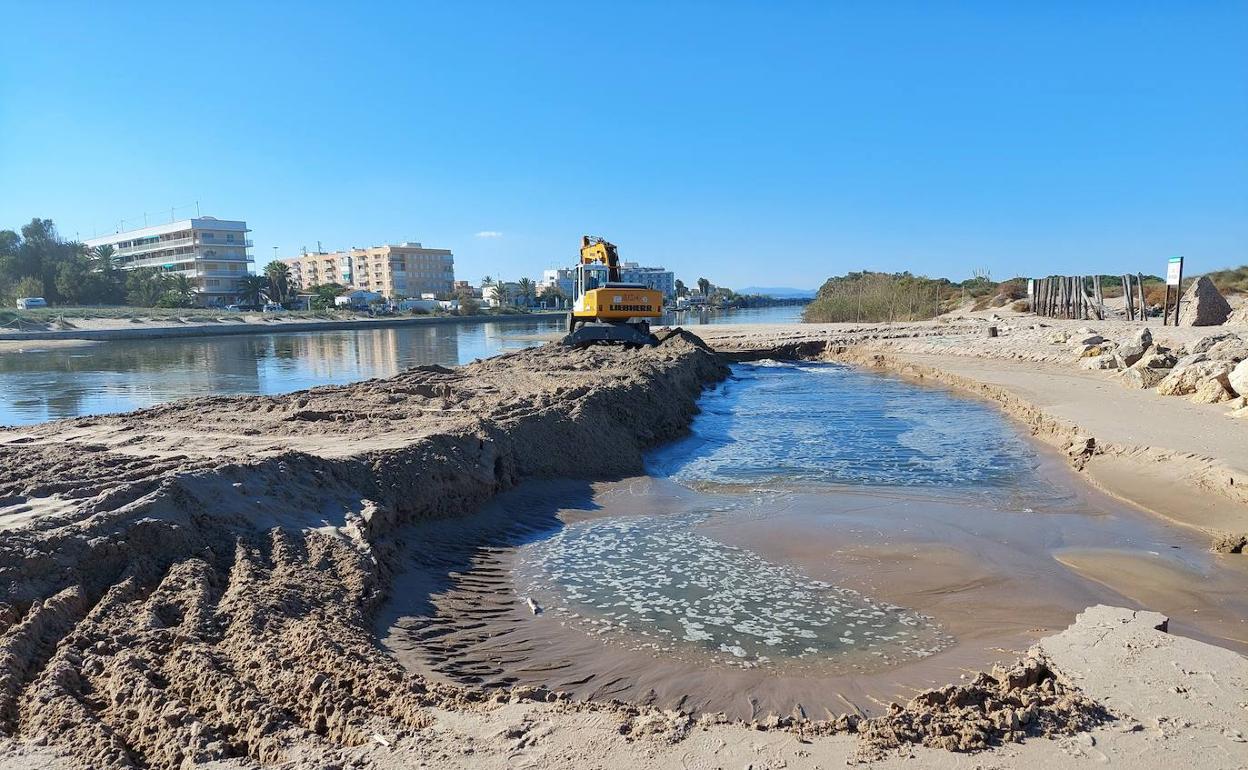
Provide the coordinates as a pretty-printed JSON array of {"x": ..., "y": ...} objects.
[{"x": 38, "y": 385}]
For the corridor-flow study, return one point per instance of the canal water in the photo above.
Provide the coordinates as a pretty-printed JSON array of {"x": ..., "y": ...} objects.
[
  {"x": 42, "y": 382},
  {"x": 824, "y": 540}
]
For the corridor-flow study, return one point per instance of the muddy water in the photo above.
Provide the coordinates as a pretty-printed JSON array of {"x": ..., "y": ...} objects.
[{"x": 825, "y": 540}]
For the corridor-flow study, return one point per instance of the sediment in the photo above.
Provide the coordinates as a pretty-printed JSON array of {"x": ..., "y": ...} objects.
[{"x": 198, "y": 581}]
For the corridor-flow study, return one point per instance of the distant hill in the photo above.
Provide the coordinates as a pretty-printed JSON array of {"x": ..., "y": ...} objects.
[{"x": 779, "y": 292}]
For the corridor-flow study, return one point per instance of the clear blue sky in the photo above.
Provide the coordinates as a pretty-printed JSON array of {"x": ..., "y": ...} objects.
[{"x": 752, "y": 143}]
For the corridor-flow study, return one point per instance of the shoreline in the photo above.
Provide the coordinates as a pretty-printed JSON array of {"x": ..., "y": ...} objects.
[
  {"x": 276, "y": 326},
  {"x": 216, "y": 565},
  {"x": 1121, "y": 441}
]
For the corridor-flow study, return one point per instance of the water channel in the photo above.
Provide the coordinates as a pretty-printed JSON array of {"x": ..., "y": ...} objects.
[{"x": 824, "y": 540}]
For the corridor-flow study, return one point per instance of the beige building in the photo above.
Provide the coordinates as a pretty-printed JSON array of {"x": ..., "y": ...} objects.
[{"x": 395, "y": 270}]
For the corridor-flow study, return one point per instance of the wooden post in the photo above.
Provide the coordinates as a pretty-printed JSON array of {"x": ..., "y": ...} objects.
[
  {"x": 1178, "y": 295},
  {"x": 1139, "y": 284},
  {"x": 1129, "y": 303}
]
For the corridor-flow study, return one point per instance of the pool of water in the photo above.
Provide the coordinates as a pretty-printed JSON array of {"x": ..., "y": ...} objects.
[
  {"x": 824, "y": 539},
  {"x": 39, "y": 384}
]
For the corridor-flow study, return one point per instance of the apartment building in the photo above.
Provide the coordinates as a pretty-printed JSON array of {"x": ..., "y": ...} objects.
[
  {"x": 393, "y": 270},
  {"x": 657, "y": 278},
  {"x": 213, "y": 253}
]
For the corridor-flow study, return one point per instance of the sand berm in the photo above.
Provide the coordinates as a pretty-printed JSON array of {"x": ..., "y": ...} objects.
[{"x": 192, "y": 584}]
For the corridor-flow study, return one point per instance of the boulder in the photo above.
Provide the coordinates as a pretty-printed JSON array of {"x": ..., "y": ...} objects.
[
  {"x": 1211, "y": 392},
  {"x": 1133, "y": 350},
  {"x": 1238, "y": 378},
  {"x": 1103, "y": 361},
  {"x": 1191, "y": 358},
  {"x": 1204, "y": 305},
  {"x": 1092, "y": 339},
  {"x": 1142, "y": 377},
  {"x": 1183, "y": 381},
  {"x": 1155, "y": 359},
  {"x": 1209, "y": 340},
  {"x": 1059, "y": 338},
  {"x": 1232, "y": 349}
]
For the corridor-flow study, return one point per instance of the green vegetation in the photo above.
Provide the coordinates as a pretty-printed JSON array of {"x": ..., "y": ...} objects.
[
  {"x": 876, "y": 297},
  {"x": 1233, "y": 280}
]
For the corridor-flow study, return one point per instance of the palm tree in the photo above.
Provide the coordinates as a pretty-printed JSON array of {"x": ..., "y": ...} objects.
[
  {"x": 553, "y": 295},
  {"x": 681, "y": 289},
  {"x": 252, "y": 288},
  {"x": 704, "y": 286},
  {"x": 278, "y": 274},
  {"x": 182, "y": 290},
  {"x": 502, "y": 295},
  {"x": 527, "y": 290},
  {"x": 103, "y": 257}
]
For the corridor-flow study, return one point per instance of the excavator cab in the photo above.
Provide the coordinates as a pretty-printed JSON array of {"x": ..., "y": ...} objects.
[{"x": 605, "y": 309}]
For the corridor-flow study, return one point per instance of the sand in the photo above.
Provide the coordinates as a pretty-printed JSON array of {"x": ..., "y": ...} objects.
[{"x": 197, "y": 584}]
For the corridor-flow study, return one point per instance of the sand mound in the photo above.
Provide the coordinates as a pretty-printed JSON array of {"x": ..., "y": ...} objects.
[{"x": 199, "y": 583}]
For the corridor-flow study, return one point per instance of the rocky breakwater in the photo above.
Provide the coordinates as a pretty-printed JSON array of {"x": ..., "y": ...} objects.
[
  {"x": 194, "y": 582},
  {"x": 1211, "y": 370}
]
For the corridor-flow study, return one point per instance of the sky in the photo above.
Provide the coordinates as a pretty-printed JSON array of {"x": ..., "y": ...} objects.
[{"x": 764, "y": 144}]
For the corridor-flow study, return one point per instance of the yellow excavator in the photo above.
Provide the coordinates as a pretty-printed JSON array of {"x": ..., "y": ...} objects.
[{"x": 604, "y": 308}]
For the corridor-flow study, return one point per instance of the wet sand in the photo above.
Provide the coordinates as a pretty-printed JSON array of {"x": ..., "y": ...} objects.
[{"x": 996, "y": 578}]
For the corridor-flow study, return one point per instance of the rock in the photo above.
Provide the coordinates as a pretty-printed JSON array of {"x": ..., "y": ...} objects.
[
  {"x": 1204, "y": 305},
  {"x": 1156, "y": 360},
  {"x": 1142, "y": 377},
  {"x": 1060, "y": 338},
  {"x": 1091, "y": 351},
  {"x": 1211, "y": 392},
  {"x": 1103, "y": 361},
  {"x": 1094, "y": 339},
  {"x": 1191, "y": 358},
  {"x": 1134, "y": 349},
  {"x": 1232, "y": 349},
  {"x": 1204, "y": 343},
  {"x": 1238, "y": 378},
  {"x": 1188, "y": 379}
]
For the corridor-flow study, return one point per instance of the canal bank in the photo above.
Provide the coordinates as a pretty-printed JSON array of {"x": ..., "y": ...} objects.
[{"x": 216, "y": 565}]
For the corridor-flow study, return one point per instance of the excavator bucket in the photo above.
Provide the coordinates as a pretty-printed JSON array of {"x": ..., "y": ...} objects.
[{"x": 598, "y": 332}]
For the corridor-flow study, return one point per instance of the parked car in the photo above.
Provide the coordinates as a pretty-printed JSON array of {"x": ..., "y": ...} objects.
[
  {"x": 273, "y": 307},
  {"x": 30, "y": 303},
  {"x": 242, "y": 308}
]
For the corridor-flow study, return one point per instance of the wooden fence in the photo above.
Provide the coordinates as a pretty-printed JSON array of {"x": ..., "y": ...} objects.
[{"x": 1081, "y": 296}]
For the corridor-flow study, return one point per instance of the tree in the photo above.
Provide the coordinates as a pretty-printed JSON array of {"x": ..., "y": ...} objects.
[
  {"x": 252, "y": 289},
  {"x": 704, "y": 287},
  {"x": 526, "y": 291},
  {"x": 681, "y": 289},
  {"x": 469, "y": 306},
  {"x": 502, "y": 294},
  {"x": 324, "y": 294},
  {"x": 278, "y": 274},
  {"x": 179, "y": 292},
  {"x": 553, "y": 295},
  {"x": 145, "y": 286},
  {"x": 28, "y": 286}
]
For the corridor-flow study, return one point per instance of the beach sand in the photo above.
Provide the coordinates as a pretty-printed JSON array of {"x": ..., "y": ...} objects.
[{"x": 205, "y": 583}]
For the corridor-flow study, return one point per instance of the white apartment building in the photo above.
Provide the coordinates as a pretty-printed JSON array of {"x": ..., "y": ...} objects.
[
  {"x": 394, "y": 270},
  {"x": 213, "y": 253},
  {"x": 656, "y": 278}
]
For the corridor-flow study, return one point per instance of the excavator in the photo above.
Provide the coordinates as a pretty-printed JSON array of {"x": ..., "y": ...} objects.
[{"x": 604, "y": 308}]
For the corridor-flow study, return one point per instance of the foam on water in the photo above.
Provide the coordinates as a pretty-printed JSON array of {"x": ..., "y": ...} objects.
[
  {"x": 775, "y": 426},
  {"x": 799, "y": 424},
  {"x": 657, "y": 577}
]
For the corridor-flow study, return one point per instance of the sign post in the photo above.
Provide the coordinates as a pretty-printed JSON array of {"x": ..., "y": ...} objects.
[{"x": 1174, "y": 277}]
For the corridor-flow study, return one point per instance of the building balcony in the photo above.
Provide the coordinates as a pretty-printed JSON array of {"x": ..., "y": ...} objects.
[{"x": 177, "y": 243}]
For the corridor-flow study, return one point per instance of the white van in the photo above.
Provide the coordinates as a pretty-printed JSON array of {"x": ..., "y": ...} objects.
[{"x": 30, "y": 303}]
